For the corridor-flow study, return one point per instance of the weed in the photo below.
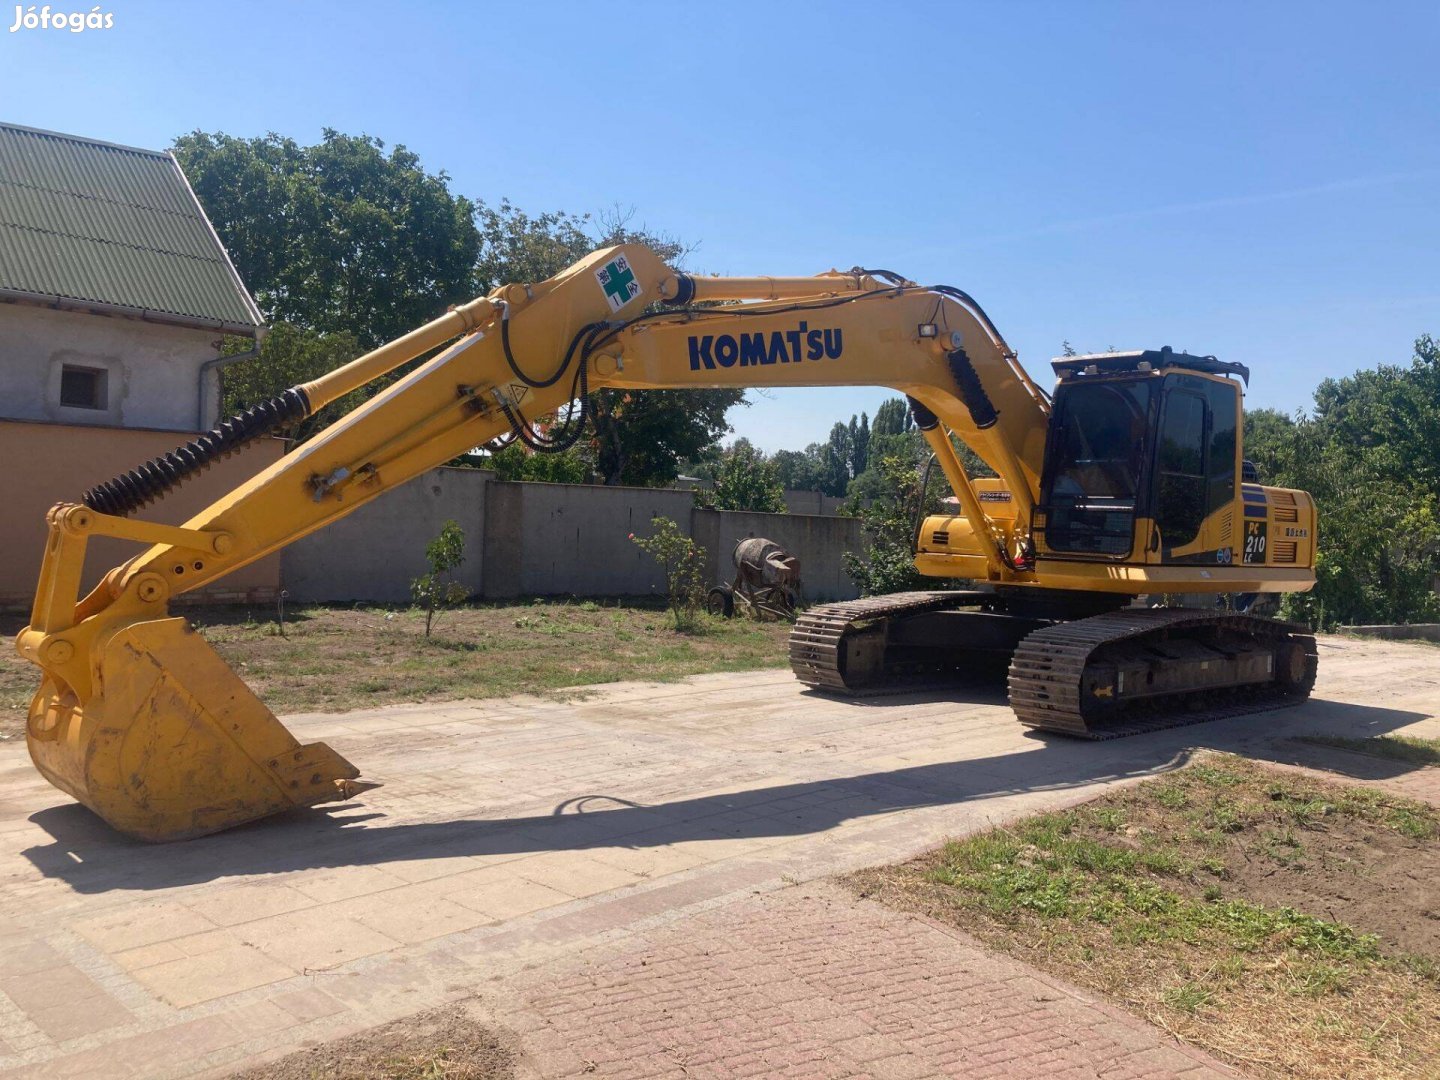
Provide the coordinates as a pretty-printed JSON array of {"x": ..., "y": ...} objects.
[
  {"x": 1170, "y": 796},
  {"x": 1187, "y": 997}
]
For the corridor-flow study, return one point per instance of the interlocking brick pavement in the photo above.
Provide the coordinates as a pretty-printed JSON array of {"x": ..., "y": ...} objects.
[{"x": 809, "y": 981}]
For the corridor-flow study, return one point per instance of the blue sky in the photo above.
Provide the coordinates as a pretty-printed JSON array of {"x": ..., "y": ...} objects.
[{"x": 1255, "y": 180}]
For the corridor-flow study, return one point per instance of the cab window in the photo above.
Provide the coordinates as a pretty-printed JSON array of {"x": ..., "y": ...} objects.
[
  {"x": 1096, "y": 465},
  {"x": 1181, "y": 486},
  {"x": 1220, "y": 474}
]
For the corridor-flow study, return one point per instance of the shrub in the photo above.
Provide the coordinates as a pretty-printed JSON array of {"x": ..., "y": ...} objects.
[
  {"x": 888, "y": 564},
  {"x": 683, "y": 561}
]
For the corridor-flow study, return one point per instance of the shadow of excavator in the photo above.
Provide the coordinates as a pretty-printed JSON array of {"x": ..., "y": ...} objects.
[{"x": 91, "y": 858}]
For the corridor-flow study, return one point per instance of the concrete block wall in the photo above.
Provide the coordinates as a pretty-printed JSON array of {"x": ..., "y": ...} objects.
[
  {"x": 812, "y": 502},
  {"x": 574, "y": 539},
  {"x": 529, "y": 539},
  {"x": 375, "y": 552}
]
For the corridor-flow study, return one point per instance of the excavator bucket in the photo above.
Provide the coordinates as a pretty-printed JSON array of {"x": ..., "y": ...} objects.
[{"x": 171, "y": 744}]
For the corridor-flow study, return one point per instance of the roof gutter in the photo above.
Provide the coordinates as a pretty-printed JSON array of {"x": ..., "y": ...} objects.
[
  {"x": 215, "y": 364},
  {"x": 97, "y": 307}
]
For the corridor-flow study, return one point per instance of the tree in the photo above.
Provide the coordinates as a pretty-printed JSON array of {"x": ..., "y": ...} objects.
[
  {"x": 1369, "y": 455},
  {"x": 514, "y": 246},
  {"x": 338, "y": 237},
  {"x": 859, "y": 445},
  {"x": 290, "y": 355},
  {"x": 435, "y": 590},
  {"x": 1390, "y": 415},
  {"x": 799, "y": 470},
  {"x": 515, "y": 462},
  {"x": 892, "y": 418},
  {"x": 887, "y": 564},
  {"x": 641, "y": 436},
  {"x": 744, "y": 480},
  {"x": 835, "y": 460}
]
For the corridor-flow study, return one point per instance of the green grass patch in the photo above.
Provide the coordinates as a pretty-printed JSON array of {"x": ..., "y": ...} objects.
[
  {"x": 1225, "y": 901},
  {"x": 333, "y": 658},
  {"x": 1409, "y": 748}
]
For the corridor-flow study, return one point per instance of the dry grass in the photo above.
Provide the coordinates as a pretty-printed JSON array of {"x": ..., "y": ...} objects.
[
  {"x": 444, "y": 1044},
  {"x": 331, "y": 659},
  {"x": 1284, "y": 924}
]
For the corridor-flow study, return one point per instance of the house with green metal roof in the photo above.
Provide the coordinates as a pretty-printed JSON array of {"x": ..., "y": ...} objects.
[{"x": 115, "y": 292}]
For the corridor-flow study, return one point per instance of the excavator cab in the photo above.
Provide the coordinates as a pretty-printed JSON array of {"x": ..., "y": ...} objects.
[{"x": 1142, "y": 459}]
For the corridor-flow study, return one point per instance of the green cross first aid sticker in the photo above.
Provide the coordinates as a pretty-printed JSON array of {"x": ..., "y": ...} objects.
[{"x": 618, "y": 281}]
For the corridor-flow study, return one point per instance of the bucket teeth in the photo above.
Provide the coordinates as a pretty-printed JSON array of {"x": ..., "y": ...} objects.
[{"x": 348, "y": 789}]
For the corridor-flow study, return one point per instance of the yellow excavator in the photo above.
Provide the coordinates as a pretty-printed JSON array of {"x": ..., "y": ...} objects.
[{"x": 1127, "y": 481}]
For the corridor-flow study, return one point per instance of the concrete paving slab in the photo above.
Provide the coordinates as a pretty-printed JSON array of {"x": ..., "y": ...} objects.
[{"x": 552, "y": 841}]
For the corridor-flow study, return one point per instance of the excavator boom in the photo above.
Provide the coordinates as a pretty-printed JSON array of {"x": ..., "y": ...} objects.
[{"x": 140, "y": 720}]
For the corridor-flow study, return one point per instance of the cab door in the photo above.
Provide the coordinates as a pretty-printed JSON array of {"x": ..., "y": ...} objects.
[{"x": 1194, "y": 472}]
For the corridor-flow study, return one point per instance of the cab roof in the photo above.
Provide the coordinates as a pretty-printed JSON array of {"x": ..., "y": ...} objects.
[{"x": 1113, "y": 363}]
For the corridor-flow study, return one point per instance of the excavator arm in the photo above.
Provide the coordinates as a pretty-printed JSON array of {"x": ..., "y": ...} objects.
[{"x": 141, "y": 721}]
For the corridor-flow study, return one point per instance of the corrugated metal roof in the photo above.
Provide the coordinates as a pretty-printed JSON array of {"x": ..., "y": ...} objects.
[{"x": 92, "y": 222}]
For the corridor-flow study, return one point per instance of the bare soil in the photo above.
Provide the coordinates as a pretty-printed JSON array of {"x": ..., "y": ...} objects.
[
  {"x": 444, "y": 1044},
  {"x": 1352, "y": 855},
  {"x": 1287, "y": 924},
  {"x": 331, "y": 659}
]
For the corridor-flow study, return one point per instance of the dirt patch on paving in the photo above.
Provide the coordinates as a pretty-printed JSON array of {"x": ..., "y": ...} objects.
[
  {"x": 330, "y": 659},
  {"x": 1287, "y": 924},
  {"x": 443, "y": 1044}
]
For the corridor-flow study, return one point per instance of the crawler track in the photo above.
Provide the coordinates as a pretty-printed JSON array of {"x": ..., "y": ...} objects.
[
  {"x": 1048, "y": 670},
  {"x": 817, "y": 644}
]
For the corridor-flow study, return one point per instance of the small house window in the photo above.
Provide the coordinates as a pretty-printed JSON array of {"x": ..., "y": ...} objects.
[{"x": 82, "y": 387}]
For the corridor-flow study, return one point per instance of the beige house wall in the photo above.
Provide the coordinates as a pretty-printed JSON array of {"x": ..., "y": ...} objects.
[{"x": 47, "y": 463}]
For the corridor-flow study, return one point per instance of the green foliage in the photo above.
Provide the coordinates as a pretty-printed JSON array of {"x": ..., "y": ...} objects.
[
  {"x": 517, "y": 463},
  {"x": 1370, "y": 456},
  {"x": 516, "y": 246},
  {"x": 641, "y": 436},
  {"x": 289, "y": 355},
  {"x": 830, "y": 466},
  {"x": 887, "y": 565},
  {"x": 837, "y": 456},
  {"x": 859, "y": 444},
  {"x": 436, "y": 591},
  {"x": 338, "y": 237},
  {"x": 683, "y": 561},
  {"x": 799, "y": 470},
  {"x": 745, "y": 480},
  {"x": 353, "y": 245},
  {"x": 892, "y": 418}
]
